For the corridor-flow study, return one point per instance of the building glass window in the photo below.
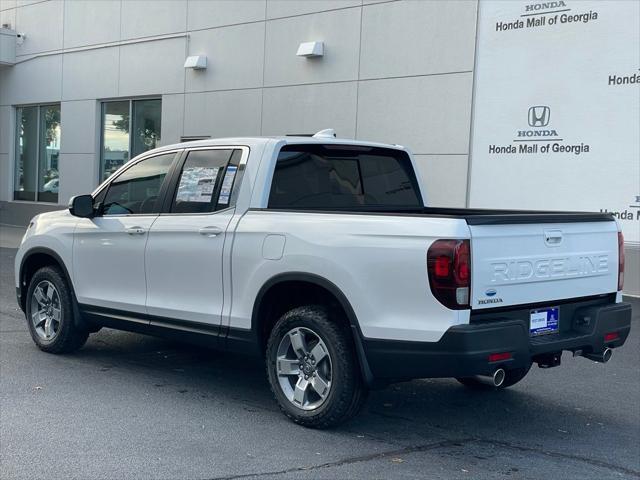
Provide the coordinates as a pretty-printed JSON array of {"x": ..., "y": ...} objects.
[
  {"x": 37, "y": 153},
  {"x": 123, "y": 139},
  {"x": 115, "y": 136}
]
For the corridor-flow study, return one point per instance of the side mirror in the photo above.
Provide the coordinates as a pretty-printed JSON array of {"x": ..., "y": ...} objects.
[{"x": 81, "y": 206}]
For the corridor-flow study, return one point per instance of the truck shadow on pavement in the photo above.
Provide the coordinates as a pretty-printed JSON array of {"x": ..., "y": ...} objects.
[
  {"x": 540, "y": 417},
  {"x": 537, "y": 420},
  {"x": 411, "y": 410}
]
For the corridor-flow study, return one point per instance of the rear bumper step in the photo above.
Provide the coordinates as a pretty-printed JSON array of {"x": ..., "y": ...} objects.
[{"x": 464, "y": 349}]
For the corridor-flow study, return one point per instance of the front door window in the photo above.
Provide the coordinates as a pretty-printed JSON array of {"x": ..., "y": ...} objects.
[{"x": 136, "y": 190}]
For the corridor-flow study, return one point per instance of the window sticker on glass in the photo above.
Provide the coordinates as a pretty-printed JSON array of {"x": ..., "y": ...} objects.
[
  {"x": 197, "y": 184},
  {"x": 227, "y": 184}
]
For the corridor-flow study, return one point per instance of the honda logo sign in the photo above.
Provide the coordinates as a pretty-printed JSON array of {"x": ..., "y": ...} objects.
[{"x": 539, "y": 116}]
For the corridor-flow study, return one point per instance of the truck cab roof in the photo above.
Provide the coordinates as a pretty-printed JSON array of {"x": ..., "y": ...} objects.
[{"x": 322, "y": 137}]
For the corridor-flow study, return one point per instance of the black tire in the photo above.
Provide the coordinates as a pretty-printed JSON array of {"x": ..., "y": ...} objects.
[
  {"x": 347, "y": 393},
  {"x": 68, "y": 337},
  {"x": 512, "y": 377}
]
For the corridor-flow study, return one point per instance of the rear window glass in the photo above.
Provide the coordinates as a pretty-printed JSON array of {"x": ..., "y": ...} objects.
[{"x": 327, "y": 177}]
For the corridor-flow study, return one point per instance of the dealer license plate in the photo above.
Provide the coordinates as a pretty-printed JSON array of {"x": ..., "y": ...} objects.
[{"x": 544, "y": 321}]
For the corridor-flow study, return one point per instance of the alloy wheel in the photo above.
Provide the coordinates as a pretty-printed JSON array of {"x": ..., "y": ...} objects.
[
  {"x": 46, "y": 310},
  {"x": 304, "y": 368}
]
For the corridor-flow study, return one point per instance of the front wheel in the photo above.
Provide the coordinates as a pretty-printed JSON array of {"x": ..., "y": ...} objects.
[
  {"x": 313, "y": 368},
  {"x": 49, "y": 312}
]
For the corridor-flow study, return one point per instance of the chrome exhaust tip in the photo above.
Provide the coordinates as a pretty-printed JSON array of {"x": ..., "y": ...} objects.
[
  {"x": 498, "y": 377},
  {"x": 602, "y": 357},
  {"x": 495, "y": 379}
]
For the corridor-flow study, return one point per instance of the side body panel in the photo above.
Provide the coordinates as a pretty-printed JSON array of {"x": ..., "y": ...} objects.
[
  {"x": 52, "y": 231},
  {"x": 377, "y": 261},
  {"x": 184, "y": 266},
  {"x": 108, "y": 261}
]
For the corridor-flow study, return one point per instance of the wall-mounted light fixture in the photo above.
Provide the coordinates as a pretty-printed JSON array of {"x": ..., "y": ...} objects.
[
  {"x": 311, "y": 49},
  {"x": 196, "y": 62}
]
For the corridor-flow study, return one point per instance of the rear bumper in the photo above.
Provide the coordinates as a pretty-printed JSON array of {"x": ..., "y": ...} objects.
[{"x": 464, "y": 349}]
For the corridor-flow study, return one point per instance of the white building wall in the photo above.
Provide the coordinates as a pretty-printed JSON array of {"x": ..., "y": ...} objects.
[{"x": 397, "y": 71}]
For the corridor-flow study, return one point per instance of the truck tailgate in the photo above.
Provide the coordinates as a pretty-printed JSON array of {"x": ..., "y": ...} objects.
[{"x": 531, "y": 263}]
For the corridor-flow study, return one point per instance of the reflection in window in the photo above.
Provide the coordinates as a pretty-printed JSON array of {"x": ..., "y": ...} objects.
[
  {"x": 136, "y": 190},
  {"x": 48, "y": 180},
  {"x": 123, "y": 139},
  {"x": 115, "y": 136},
  {"x": 146, "y": 126},
  {"x": 335, "y": 177},
  {"x": 201, "y": 179},
  {"x": 37, "y": 153}
]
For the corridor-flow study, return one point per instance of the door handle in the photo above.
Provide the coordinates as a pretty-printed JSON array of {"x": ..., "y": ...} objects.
[
  {"x": 135, "y": 230},
  {"x": 210, "y": 231}
]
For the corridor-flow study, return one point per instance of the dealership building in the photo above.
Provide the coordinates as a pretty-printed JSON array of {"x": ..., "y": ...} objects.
[{"x": 519, "y": 104}]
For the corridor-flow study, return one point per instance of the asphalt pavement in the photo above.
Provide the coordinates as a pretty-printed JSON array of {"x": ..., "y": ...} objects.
[{"x": 128, "y": 406}]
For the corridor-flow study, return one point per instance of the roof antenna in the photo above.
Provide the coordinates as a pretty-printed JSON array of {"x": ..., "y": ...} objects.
[{"x": 326, "y": 133}]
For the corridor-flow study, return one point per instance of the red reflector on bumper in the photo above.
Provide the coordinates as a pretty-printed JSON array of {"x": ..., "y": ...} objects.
[
  {"x": 609, "y": 337},
  {"x": 497, "y": 357}
]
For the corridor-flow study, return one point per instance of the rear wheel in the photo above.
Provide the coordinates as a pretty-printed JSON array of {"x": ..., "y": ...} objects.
[
  {"x": 49, "y": 312},
  {"x": 313, "y": 369},
  {"x": 511, "y": 377}
]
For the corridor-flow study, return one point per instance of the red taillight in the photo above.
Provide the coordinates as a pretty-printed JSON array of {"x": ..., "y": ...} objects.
[
  {"x": 610, "y": 337},
  {"x": 499, "y": 357},
  {"x": 620, "y": 261},
  {"x": 449, "y": 269},
  {"x": 463, "y": 262},
  {"x": 442, "y": 267}
]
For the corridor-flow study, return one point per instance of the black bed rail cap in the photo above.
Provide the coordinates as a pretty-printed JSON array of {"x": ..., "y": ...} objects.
[{"x": 522, "y": 217}]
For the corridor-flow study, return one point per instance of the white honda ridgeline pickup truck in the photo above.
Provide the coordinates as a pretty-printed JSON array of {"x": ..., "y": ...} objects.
[{"x": 320, "y": 255}]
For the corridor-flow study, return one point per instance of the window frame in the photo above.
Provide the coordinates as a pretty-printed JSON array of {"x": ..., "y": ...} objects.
[
  {"x": 176, "y": 174},
  {"x": 16, "y": 151},
  {"x": 101, "y": 192},
  {"x": 130, "y": 100}
]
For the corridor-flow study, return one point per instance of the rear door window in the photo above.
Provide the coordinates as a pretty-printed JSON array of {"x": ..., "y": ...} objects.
[
  {"x": 206, "y": 181},
  {"x": 329, "y": 177}
]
